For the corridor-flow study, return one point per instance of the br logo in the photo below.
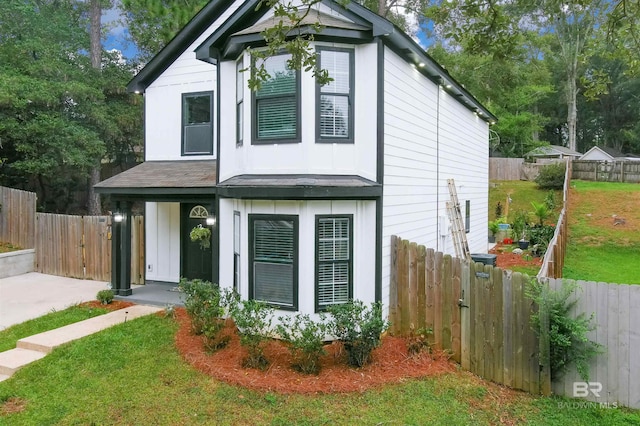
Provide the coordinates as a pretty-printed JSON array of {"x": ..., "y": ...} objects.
[{"x": 582, "y": 389}]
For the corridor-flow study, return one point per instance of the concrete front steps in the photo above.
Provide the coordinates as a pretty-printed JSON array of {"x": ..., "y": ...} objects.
[{"x": 35, "y": 347}]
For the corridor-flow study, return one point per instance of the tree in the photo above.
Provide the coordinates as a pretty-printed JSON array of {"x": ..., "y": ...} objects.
[{"x": 58, "y": 115}]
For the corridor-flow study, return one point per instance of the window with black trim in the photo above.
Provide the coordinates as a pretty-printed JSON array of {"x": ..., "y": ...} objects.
[
  {"x": 334, "y": 101},
  {"x": 467, "y": 216},
  {"x": 334, "y": 260},
  {"x": 276, "y": 105},
  {"x": 236, "y": 251},
  {"x": 239, "y": 101},
  {"x": 273, "y": 262},
  {"x": 197, "y": 123}
]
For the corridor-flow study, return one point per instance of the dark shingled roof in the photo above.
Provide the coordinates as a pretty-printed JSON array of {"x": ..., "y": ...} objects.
[
  {"x": 195, "y": 176},
  {"x": 299, "y": 187}
]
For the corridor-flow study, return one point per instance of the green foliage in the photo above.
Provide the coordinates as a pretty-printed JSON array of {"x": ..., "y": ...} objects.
[
  {"x": 550, "y": 200},
  {"x": 520, "y": 224},
  {"x": 498, "y": 210},
  {"x": 105, "y": 296},
  {"x": 494, "y": 226},
  {"x": 551, "y": 176},
  {"x": 567, "y": 334},
  {"x": 305, "y": 340},
  {"x": 202, "y": 235},
  {"x": 207, "y": 307},
  {"x": 541, "y": 212},
  {"x": 358, "y": 328},
  {"x": 253, "y": 319},
  {"x": 540, "y": 236}
]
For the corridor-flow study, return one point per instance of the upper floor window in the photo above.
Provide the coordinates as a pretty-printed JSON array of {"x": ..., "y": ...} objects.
[
  {"x": 197, "y": 123},
  {"x": 239, "y": 102},
  {"x": 276, "y": 112},
  {"x": 334, "y": 111}
]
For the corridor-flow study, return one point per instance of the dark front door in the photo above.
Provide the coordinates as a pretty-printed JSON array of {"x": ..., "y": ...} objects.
[{"x": 196, "y": 259}]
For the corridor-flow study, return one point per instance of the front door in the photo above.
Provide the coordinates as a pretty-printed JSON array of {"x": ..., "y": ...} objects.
[{"x": 197, "y": 260}]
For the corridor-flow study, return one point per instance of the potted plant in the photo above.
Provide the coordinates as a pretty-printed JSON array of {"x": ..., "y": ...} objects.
[
  {"x": 493, "y": 229},
  {"x": 519, "y": 227},
  {"x": 202, "y": 235}
]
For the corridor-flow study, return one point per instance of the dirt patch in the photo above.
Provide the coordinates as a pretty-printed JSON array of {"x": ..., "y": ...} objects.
[
  {"x": 113, "y": 306},
  {"x": 606, "y": 210},
  {"x": 13, "y": 405},
  {"x": 390, "y": 364},
  {"x": 507, "y": 260}
]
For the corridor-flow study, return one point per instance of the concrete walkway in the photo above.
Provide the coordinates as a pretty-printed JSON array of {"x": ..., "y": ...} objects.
[
  {"x": 35, "y": 347},
  {"x": 31, "y": 295}
]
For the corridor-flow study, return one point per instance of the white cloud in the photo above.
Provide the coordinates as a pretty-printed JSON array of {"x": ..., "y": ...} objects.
[{"x": 111, "y": 19}]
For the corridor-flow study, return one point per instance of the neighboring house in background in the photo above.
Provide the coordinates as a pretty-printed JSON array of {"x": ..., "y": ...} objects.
[
  {"x": 605, "y": 153},
  {"x": 553, "y": 152},
  {"x": 307, "y": 184}
]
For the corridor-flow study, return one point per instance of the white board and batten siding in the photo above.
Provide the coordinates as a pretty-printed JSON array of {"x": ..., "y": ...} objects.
[
  {"x": 617, "y": 319},
  {"x": 308, "y": 156},
  {"x": 364, "y": 223},
  {"x": 162, "y": 233},
  {"x": 429, "y": 138},
  {"x": 163, "y": 99}
]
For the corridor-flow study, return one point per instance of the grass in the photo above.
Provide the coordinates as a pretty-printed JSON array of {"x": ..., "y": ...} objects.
[
  {"x": 132, "y": 374},
  {"x": 54, "y": 319},
  {"x": 522, "y": 194},
  {"x": 7, "y": 247},
  {"x": 597, "y": 249}
]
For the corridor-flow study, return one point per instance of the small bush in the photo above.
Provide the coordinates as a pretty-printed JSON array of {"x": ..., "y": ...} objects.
[
  {"x": 253, "y": 319},
  {"x": 207, "y": 307},
  {"x": 105, "y": 296},
  {"x": 550, "y": 199},
  {"x": 567, "y": 335},
  {"x": 419, "y": 341},
  {"x": 519, "y": 225},
  {"x": 305, "y": 340},
  {"x": 540, "y": 236},
  {"x": 358, "y": 328},
  {"x": 551, "y": 176}
]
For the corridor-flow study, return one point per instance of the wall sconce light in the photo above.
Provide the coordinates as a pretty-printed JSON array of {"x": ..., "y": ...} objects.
[
  {"x": 118, "y": 217},
  {"x": 211, "y": 220}
]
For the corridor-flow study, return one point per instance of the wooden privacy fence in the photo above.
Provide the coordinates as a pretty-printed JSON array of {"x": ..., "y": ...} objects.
[
  {"x": 607, "y": 171},
  {"x": 80, "y": 246},
  {"x": 616, "y": 314},
  {"x": 17, "y": 217},
  {"x": 477, "y": 312},
  {"x": 553, "y": 261}
]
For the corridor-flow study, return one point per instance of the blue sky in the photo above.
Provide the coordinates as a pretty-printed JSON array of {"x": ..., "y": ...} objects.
[{"x": 117, "y": 36}]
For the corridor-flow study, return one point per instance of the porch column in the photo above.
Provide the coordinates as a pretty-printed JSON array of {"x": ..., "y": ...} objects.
[
  {"x": 215, "y": 243},
  {"x": 121, "y": 251}
]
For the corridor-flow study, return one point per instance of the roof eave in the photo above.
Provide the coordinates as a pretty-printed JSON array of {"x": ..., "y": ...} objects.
[{"x": 160, "y": 62}]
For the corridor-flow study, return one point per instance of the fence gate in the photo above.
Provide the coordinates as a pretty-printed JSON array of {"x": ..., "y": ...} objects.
[
  {"x": 480, "y": 314},
  {"x": 80, "y": 246}
]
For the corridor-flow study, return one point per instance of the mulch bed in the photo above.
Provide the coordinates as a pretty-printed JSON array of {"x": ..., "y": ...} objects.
[
  {"x": 507, "y": 260},
  {"x": 390, "y": 364}
]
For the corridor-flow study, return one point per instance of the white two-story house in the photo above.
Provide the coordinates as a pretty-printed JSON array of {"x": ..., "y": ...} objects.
[{"x": 306, "y": 183}]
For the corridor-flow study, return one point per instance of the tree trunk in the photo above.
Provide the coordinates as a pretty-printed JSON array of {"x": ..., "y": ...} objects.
[
  {"x": 93, "y": 199},
  {"x": 572, "y": 108}
]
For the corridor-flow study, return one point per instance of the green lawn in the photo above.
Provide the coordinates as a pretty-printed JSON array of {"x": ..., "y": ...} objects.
[
  {"x": 522, "y": 194},
  {"x": 597, "y": 249},
  {"x": 54, "y": 319},
  {"x": 132, "y": 374}
]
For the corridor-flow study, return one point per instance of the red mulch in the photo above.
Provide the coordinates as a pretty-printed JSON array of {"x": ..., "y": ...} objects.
[
  {"x": 113, "y": 306},
  {"x": 506, "y": 259},
  {"x": 390, "y": 364}
]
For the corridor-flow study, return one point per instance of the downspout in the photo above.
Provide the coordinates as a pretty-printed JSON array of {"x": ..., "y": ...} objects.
[{"x": 438, "y": 233}]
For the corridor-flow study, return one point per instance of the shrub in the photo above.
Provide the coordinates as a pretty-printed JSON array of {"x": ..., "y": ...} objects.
[
  {"x": 519, "y": 224},
  {"x": 541, "y": 212},
  {"x": 551, "y": 176},
  {"x": 253, "y": 319},
  {"x": 105, "y": 296},
  {"x": 358, "y": 328},
  {"x": 207, "y": 307},
  {"x": 567, "y": 335},
  {"x": 304, "y": 338},
  {"x": 540, "y": 236},
  {"x": 419, "y": 341},
  {"x": 550, "y": 200}
]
